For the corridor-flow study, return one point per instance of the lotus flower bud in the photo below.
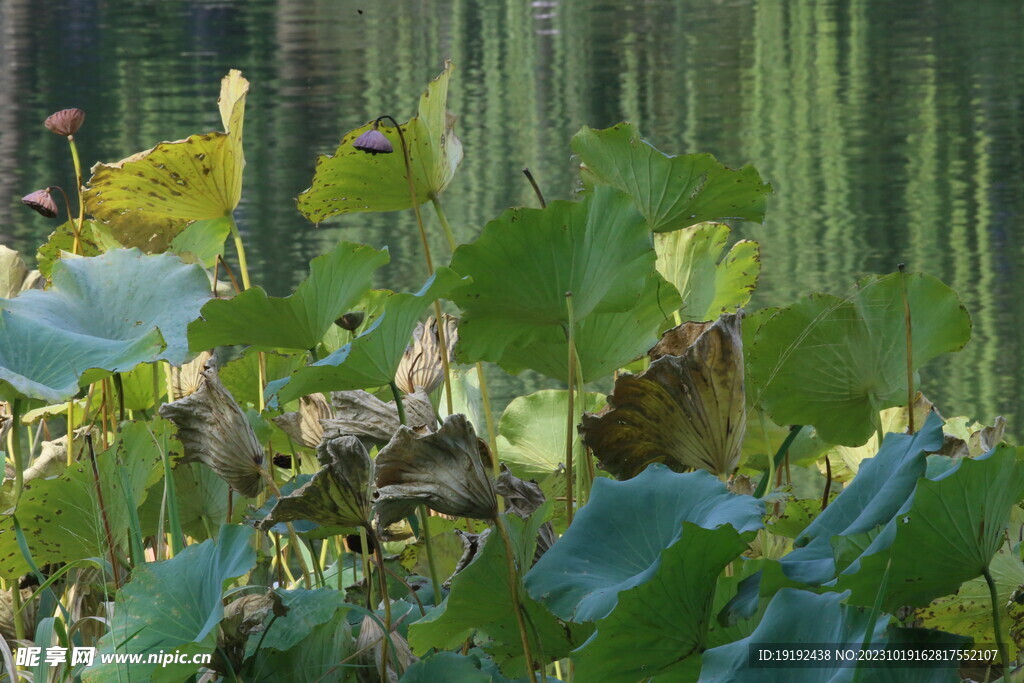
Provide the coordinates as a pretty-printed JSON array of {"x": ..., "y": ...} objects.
[
  {"x": 42, "y": 202},
  {"x": 373, "y": 142},
  {"x": 66, "y": 122}
]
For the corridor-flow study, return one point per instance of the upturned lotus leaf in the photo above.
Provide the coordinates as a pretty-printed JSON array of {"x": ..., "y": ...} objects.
[
  {"x": 149, "y": 197},
  {"x": 963, "y": 439},
  {"x": 303, "y": 426},
  {"x": 337, "y": 495},
  {"x": 421, "y": 365},
  {"x": 187, "y": 378},
  {"x": 672, "y": 192},
  {"x": 835, "y": 363},
  {"x": 447, "y": 470},
  {"x": 370, "y": 646},
  {"x": 686, "y": 411},
  {"x": 710, "y": 280},
  {"x": 15, "y": 276},
  {"x": 353, "y": 180},
  {"x": 360, "y": 413},
  {"x": 337, "y": 280},
  {"x": 604, "y": 254},
  {"x": 215, "y": 431}
]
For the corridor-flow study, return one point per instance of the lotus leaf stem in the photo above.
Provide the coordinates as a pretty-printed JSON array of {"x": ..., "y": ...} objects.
[
  {"x": 570, "y": 421},
  {"x": 513, "y": 583},
  {"x": 536, "y": 188},
  {"x": 1004, "y": 655},
  {"x": 910, "y": 350},
  {"x": 386, "y": 599},
  {"x": 76, "y": 247},
  {"x": 762, "y": 486},
  {"x": 14, "y": 449},
  {"x": 292, "y": 536},
  {"x": 114, "y": 565}
]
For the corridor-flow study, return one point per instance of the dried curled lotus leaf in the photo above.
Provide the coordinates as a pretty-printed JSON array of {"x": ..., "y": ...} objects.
[
  {"x": 421, "y": 366},
  {"x": 686, "y": 411},
  {"x": 7, "y": 629},
  {"x": 149, "y": 197},
  {"x": 360, "y": 413},
  {"x": 303, "y": 426},
  {"x": 189, "y": 377},
  {"x": 12, "y": 272},
  {"x": 447, "y": 470},
  {"x": 369, "y": 648},
  {"x": 523, "y": 498},
  {"x": 214, "y": 430},
  {"x": 337, "y": 495}
]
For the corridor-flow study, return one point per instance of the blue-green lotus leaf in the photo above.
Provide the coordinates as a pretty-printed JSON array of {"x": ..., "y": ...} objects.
[
  {"x": 110, "y": 312},
  {"x": 616, "y": 540}
]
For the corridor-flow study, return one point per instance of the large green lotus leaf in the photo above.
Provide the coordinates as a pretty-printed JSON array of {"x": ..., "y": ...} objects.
[
  {"x": 60, "y": 516},
  {"x": 710, "y": 280},
  {"x": 969, "y": 611},
  {"x": 796, "y": 616},
  {"x": 604, "y": 341},
  {"x": 527, "y": 260},
  {"x": 202, "y": 241},
  {"x": 671, "y": 192},
  {"x": 874, "y": 497},
  {"x": 149, "y": 197},
  {"x": 480, "y": 603},
  {"x": 353, "y": 180},
  {"x": 202, "y": 499},
  {"x": 336, "y": 282},
  {"x": 121, "y": 296},
  {"x": 666, "y": 619},
  {"x": 687, "y": 410},
  {"x": 615, "y": 542},
  {"x": 323, "y": 654},
  {"x": 242, "y": 378},
  {"x": 95, "y": 239},
  {"x": 446, "y": 666},
  {"x": 371, "y": 359},
  {"x": 959, "y": 520},
  {"x": 835, "y": 363},
  {"x": 174, "y": 605},
  {"x": 531, "y": 432}
]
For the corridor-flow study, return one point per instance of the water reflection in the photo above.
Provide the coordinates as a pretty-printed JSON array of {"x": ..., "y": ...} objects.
[{"x": 891, "y": 132}]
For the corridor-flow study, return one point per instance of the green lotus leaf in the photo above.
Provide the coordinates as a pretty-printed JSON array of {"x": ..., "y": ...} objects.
[
  {"x": 337, "y": 495},
  {"x": 95, "y": 239},
  {"x": 60, "y": 516},
  {"x": 527, "y": 260},
  {"x": 710, "y": 280},
  {"x": 836, "y": 362},
  {"x": 149, "y": 197},
  {"x": 479, "y": 603},
  {"x": 960, "y": 517},
  {"x": 881, "y": 488},
  {"x": 531, "y": 432},
  {"x": 174, "y": 605},
  {"x": 446, "y": 666},
  {"x": 686, "y": 411},
  {"x": 110, "y": 312},
  {"x": 667, "y": 617},
  {"x": 202, "y": 241},
  {"x": 604, "y": 341},
  {"x": 336, "y": 282},
  {"x": 353, "y": 180},
  {"x": 969, "y": 611},
  {"x": 582, "y": 576},
  {"x": 796, "y": 616},
  {"x": 671, "y": 192},
  {"x": 371, "y": 359}
]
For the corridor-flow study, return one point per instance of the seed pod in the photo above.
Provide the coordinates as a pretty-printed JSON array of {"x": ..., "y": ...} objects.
[
  {"x": 65, "y": 122},
  {"x": 350, "y": 321},
  {"x": 42, "y": 202},
  {"x": 373, "y": 142}
]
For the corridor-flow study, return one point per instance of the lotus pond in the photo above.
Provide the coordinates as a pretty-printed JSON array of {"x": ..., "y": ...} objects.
[{"x": 316, "y": 487}]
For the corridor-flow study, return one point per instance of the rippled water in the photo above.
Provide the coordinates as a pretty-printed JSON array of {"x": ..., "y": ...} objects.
[{"x": 892, "y": 132}]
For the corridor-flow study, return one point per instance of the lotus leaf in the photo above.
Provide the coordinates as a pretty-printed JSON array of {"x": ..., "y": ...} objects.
[
  {"x": 447, "y": 470},
  {"x": 352, "y": 180},
  {"x": 371, "y": 359},
  {"x": 336, "y": 281},
  {"x": 303, "y": 426},
  {"x": 526, "y": 261},
  {"x": 581, "y": 577},
  {"x": 710, "y": 280},
  {"x": 446, "y": 666},
  {"x": 686, "y": 410},
  {"x": 149, "y": 197},
  {"x": 421, "y": 365},
  {"x": 214, "y": 430},
  {"x": 836, "y": 362},
  {"x": 362, "y": 414},
  {"x": 94, "y": 239},
  {"x": 15, "y": 276},
  {"x": 314, "y": 657},
  {"x": 671, "y": 192}
]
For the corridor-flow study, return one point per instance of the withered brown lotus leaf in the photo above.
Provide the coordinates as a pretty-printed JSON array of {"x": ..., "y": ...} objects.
[
  {"x": 471, "y": 545},
  {"x": 244, "y": 617},
  {"x": 686, "y": 411},
  {"x": 189, "y": 377},
  {"x": 369, "y": 647},
  {"x": 360, "y": 413},
  {"x": 337, "y": 495},
  {"x": 29, "y": 606},
  {"x": 523, "y": 498},
  {"x": 214, "y": 430},
  {"x": 447, "y": 470},
  {"x": 303, "y": 426},
  {"x": 421, "y": 366}
]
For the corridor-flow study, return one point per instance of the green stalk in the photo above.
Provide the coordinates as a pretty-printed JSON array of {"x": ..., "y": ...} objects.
[
  {"x": 536, "y": 188},
  {"x": 14, "y": 448},
  {"x": 171, "y": 499},
  {"x": 386, "y": 599},
  {"x": 76, "y": 247},
  {"x": 293, "y": 538},
  {"x": 19, "y": 617},
  {"x": 517, "y": 605},
  {"x": 445, "y": 225},
  {"x": 114, "y": 565},
  {"x": 762, "y": 486},
  {"x": 240, "y": 249},
  {"x": 910, "y": 350},
  {"x": 1004, "y": 655},
  {"x": 570, "y": 421}
]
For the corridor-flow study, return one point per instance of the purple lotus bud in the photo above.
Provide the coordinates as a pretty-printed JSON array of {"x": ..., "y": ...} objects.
[
  {"x": 373, "y": 142},
  {"x": 42, "y": 202},
  {"x": 66, "y": 122}
]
